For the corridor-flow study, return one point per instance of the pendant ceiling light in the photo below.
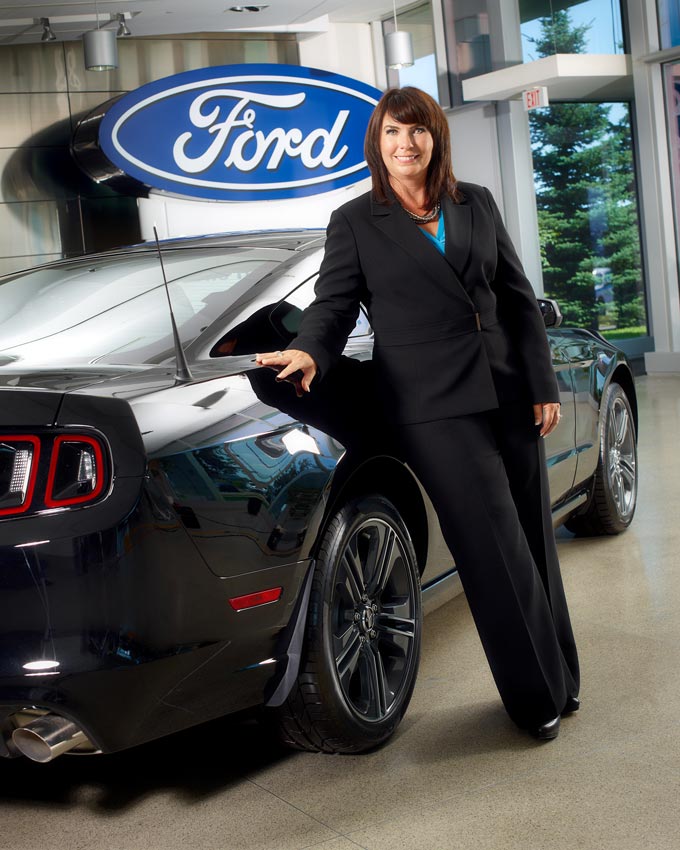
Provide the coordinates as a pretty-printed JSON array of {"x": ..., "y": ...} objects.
[
  {"x": 398, "y": 46},
  {"x": 47, "y": 33},
  {"x": 101, "y": 50},
  {"x": 123, "y": 30}
]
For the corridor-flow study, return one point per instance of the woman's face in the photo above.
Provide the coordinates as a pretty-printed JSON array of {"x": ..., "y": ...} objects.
[{"x": 406, "y": 150}]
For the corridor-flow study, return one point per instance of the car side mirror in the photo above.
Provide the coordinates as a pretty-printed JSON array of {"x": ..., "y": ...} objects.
[{"x": 550, "y": 310}]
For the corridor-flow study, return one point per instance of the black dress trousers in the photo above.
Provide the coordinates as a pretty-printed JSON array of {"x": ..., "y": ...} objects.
[{"x": 486, "y": 476}]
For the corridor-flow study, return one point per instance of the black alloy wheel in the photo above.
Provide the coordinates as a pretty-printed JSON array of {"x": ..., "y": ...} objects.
[
  {"x": 612, "y": 505},
  {"x": 363, "y": 634}
]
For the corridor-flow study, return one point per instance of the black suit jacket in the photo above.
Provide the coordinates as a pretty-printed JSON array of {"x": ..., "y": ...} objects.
[{"x": 454, "y": 334}]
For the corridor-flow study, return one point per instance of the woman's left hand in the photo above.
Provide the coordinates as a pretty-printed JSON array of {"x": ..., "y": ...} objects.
[
  {"x": 296, "y": 367},
  {"x": 547, "y": 416}
]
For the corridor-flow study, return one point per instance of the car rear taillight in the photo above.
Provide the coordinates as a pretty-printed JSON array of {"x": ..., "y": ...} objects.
[
  {"x": 76, "y": 471},
  {"x": 19, "y": 455},
  {"x": 46, "y": 471}
]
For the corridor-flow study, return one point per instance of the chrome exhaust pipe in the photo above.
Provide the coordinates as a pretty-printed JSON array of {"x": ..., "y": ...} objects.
[{"x": 47, "y": 737}]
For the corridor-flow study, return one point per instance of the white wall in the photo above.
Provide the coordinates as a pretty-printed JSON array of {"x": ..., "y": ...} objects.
[
  {"x": 181, "y": 217},
  {"x": 344, "y": 49},
  {"x": 474, "y": 147}
]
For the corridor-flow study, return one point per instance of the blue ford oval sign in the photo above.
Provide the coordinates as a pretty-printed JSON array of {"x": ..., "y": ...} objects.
[{"x": 242, "y": 132}]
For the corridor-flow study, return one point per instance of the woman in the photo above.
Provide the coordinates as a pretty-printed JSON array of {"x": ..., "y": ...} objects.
[{"x": 464, "y": 369}]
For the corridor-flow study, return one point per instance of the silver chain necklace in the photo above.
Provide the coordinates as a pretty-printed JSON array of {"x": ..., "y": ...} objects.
[{"x": 423, "y": 219}]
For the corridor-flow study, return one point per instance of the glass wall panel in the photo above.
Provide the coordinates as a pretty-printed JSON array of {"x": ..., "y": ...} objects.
[
  {"x": 24, "y": 116},
  {"x": 588, "y": 215},
  {"x": 578, "y": 26},
  {"x": 672, "y": 87},
  {"x": 586, "y": 195},
  {"x": 669, "y": 22},
  {"x": 29, "y": 228},
  {"x": 32, "y": 67},
  {"x": 423, "y": 73}
]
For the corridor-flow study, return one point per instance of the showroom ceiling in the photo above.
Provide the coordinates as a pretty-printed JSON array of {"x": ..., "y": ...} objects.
[{"x": 20, "y": 21}]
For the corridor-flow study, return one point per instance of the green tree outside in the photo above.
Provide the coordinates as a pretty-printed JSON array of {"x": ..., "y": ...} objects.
[{"x": 587, "y": 211}]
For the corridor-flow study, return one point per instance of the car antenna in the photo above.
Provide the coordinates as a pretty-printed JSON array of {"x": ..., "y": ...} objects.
[{"x": 183, "y": 375}]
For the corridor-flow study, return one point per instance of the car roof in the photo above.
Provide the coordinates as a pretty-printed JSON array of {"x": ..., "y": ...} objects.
[
  {"x": 291, "y": 240},
  {"x": 288, "y": 239}
]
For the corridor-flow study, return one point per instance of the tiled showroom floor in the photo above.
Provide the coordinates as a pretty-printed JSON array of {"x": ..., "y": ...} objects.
[{"x": 458, "y": 774}]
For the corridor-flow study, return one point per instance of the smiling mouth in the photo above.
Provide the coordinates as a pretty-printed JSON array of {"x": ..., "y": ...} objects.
[{"x": 410, "y": 158}]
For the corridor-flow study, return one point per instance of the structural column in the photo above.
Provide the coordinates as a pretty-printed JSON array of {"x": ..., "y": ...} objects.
[{"x": 514, "y": 144}]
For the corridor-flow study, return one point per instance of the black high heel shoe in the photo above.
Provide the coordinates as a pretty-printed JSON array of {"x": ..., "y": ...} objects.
[
  {"x": 573, "y": 704},
  {"x": 548, "y": 730}
]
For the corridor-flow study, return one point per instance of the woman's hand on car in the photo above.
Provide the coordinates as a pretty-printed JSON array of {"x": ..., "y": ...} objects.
[
  {"x": 547, "y": 416},
  {"x": 292, "y": 365}
]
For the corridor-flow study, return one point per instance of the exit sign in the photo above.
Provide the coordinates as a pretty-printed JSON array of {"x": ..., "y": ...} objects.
[{"x": 533, "y": 98}]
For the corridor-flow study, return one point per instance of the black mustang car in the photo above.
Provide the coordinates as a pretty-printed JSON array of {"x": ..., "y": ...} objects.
[{"x": 182, "y": 536}]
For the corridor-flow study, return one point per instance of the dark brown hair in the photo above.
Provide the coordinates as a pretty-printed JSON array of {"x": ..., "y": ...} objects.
[{"x": 412, "y": 106}]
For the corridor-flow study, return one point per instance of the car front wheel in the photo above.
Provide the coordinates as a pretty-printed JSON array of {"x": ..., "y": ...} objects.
[
  {"x": 363, "y": 634},
  {"x": 614, "y": 496}
]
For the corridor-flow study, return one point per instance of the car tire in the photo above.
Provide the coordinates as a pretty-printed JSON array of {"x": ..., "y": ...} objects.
[
  {"x": 613, "y": 499},
  {"x": 363, "y": 634}
]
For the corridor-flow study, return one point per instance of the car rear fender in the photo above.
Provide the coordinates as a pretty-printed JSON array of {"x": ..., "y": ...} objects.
[{"x": 389, "y": 477}]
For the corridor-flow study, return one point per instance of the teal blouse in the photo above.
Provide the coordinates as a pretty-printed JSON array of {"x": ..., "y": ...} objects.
[{"x": 440, "y": 239}]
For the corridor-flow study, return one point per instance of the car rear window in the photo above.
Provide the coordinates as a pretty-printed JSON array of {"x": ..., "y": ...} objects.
[{"x": 115, "y": 309}]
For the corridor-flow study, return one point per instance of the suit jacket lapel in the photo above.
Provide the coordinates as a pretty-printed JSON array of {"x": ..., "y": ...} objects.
[
  {"x": 458, "y": 223},
  {"x": 395, "y": 223}
]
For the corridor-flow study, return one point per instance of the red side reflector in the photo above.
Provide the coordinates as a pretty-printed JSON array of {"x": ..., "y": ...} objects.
[{"x": 252, "y": 600}]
